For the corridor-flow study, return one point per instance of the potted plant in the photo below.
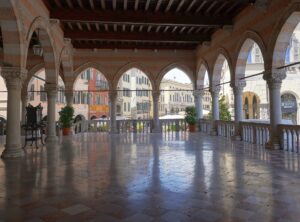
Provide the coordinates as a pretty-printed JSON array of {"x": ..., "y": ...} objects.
[
  {"x": 66, "y": 118},
  {"x": 191, "y": 117}
]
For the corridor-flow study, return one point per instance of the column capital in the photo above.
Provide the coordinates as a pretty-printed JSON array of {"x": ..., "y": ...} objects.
[
  {"x": 238, "y": 87},
  {"x": 51, "y": 89},
  {"x": 215, "y": 89},
  {"x": 155, "y": 94},
  {"x": 198, "y": 93},
  {"x": 14, "y": 77},
  {"x": 113, "y": 94},
  {"x": 274, "y": 77}
]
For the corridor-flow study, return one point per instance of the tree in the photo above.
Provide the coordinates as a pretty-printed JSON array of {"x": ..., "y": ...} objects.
[{"x": 223, "y": 110}]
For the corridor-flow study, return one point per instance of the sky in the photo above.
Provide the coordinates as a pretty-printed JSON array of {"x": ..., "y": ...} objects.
[{"x": 178, "y": 76}]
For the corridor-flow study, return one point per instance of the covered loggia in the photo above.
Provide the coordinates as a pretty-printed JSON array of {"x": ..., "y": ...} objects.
[{"x": 244, "y": 54}]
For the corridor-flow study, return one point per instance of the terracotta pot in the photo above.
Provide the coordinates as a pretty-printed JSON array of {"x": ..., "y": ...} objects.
[
  {"x": 66, "y": 131},
  {"x": 192, "y": 128}
]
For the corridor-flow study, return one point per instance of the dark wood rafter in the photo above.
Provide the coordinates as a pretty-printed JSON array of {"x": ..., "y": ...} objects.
[{"x": 156, "y": 24}]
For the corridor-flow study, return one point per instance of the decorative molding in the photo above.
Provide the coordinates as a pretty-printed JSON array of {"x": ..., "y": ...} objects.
[
  {"x": 274, "y": 78},
  {"x": 14, "y": 77}
]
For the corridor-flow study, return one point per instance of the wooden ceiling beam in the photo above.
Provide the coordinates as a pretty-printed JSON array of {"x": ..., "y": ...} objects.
[
  {"x": 139, "y": 18},
  {"x": 119, "y": 45},
  {"x": 136, "y": 36}
]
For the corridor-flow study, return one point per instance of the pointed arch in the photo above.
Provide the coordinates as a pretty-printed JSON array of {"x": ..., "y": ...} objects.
[
  {"x": 180, "y": 66},
  {"x": 281, "y": 35},
  {"x": 202, "y": 69},
  {"x": 12, "y": 29},
  {"x": 93, "y": 65},
  {"x": 42, "y": 26},
  {"x": 129, "y": 66},
  {"x": 222, "y": 56},
  {"x": 244, "y": 47}
]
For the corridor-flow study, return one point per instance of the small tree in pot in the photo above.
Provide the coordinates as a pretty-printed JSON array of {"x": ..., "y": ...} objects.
[
  {"x": 66, "y": 118},
  {"x": 191, "y": 117}
]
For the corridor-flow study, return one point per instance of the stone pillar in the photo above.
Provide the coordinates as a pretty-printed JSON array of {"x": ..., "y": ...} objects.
[
  {"x": 24, "y": 98},
  {"x": 215, "y": 90},
  {"x": 274, "y": 81},
  {"x": 156, "y": 123},
  {"x": 238, "y": 108},
  {"x": 198, "y": 96},
  {"x": 14, "y": 78},
  {"x": 113, "y": 95},
  {"x": 51, "y": 90},
  {"x": 69, "y": 98}
]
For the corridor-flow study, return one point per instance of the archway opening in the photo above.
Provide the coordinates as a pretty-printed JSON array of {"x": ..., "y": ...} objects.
[
  {"x": 176, "y": 94},
  {"x": 37, "y": 94},
  {"x": 134, "y": 96},
  {"x": 203, "y": 85},
  {"x": 91, "y": 95},
  {"x": 251, "y": 104},
  {"x": 251, "y": 62},
  {"x": 221, "y": 77}
]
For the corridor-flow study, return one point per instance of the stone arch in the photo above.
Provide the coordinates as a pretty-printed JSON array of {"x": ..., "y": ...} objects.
[
  {"x": 221, "y": 57},
  {"x": 41, "y": 25},
  {"x": 129, "y": 66},
  {"x": 66, "y": 61},
  {"x": 249, "y": 38},
  {"x": 201, "y": 71},
  {"x": 171, "y": 66},
  {"x": 281, "y": 36},
  {"x": 93, "y": 65},
  {"x": 12, "y": 29},
  {"x": 30, "y": 73}
]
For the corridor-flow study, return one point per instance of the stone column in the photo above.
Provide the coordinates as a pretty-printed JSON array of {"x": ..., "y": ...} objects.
[
  {"x": 51, "y": 90},
  {"x": 24, "y": 98},
  {"x": 69, "y": 98},
  {"x": 215, "y": 90},
  {"x": 238, "y": 108},
  {"x": 274, "y": 81},
  {"x": 113, "y": 95},
  {"x": 14, "y": 77},
  {"x": 156, "y": 123},
  {"x": 198, "y": 96}
]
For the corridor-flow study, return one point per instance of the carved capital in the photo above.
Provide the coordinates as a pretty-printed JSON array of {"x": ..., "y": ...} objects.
[
  {"x": 215, "y": 89},
  {"x": 14, "y": 77},
  {"x": 274, "y": 78},
  {"x": 198, "y": 93},
  {"x": 239, "y": 87}
]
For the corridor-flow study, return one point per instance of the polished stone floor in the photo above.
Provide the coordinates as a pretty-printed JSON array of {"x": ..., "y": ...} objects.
[{"x": 143, "y": 178}]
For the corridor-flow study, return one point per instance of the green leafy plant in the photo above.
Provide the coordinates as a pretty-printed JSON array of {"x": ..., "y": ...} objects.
[
  {"x": 223, "y": 110},
  {"x": 66, "y": 116},
  {"x": 190, "y": 115}
]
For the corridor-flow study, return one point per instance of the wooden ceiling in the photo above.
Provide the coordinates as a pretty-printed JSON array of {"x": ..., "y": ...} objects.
[{"x": 146, "y": 24}]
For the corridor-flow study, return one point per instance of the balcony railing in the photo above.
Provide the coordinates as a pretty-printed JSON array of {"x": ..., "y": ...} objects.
[
  {"x": 256, "y": 133},
  {"x": 225, "y": 128},
  {"x": 290, "y": 140},
  {"x": 129, "y": 126}
]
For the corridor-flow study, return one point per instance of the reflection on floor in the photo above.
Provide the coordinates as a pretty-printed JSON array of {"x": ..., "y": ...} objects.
[{"x": 173, "y": 177}]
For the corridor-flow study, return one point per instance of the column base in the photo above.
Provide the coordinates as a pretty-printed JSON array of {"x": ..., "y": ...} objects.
[
  {"x": 273, "y": 145},
  {"x": 12, "y": 151},
  {"x": 156, "y": 130},
  {"x": 236, "y": 138},
  {"x": 113, "y": 131},
  {"x": 213, "y": 132},
  {"x": 51, "y": 139}
]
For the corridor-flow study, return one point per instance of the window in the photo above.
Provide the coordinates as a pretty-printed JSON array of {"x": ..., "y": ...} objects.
[{"x": 124, "y": 107}]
